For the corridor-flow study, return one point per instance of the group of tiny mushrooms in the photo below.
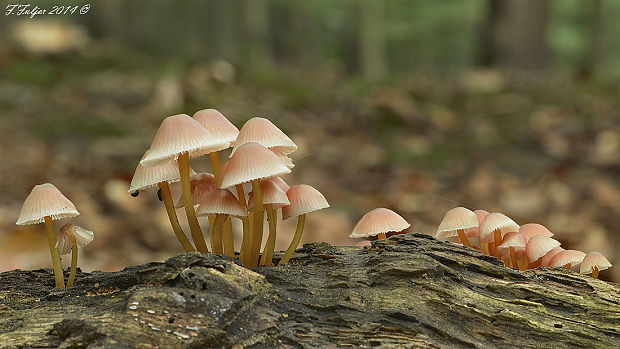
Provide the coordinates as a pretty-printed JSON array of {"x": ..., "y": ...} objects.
[{"x": 259, "y": 156}]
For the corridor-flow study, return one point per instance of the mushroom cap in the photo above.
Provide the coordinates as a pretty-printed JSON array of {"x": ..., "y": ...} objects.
[
  {"x": 280, "y": 182},
  {"x": 458, "y": 218},
  {"x": 514, "y": 240},
  {"x": 45, "y": 200},
  {"x": 178, "y": 134},
  {"x": 304, "y": 199},
  {"x": 567, "y": 256},
  {"x": 287, "y": 161},
  {"x": 379, "y": 220},
  {"x": 262, "y": 131},
  {"x": 221, "y": 201},
  {"x": 147, "y": 177},
  {"x": 251, "y": 161},
  {"x": 546, "y": 259},
  {"x": 82, "y": 237},
  {"x": 591, "y": 260},
  {"x": 272, "y": 194},
  {"x": 538, "y": 246},
  {"x": 481, "y": 214},
  {"x": 201, "y": 184},
  {"x": 495, "y": 221},
  {"x": 532, "y": 229},
  {"x": 217, "y": 124}
]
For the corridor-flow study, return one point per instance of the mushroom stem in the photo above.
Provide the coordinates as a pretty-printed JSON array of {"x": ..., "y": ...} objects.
[
  {"x": 246, "y": 236},
  {"x": 595, "y": 272},
  {"x": 272, "y": 216},
  {"x": 381, "y": 236},
  {"x": 246, "y": 244},
  {"x": 227, "y": 238},
  {"x": 484, "y": 247},
  {"x": 523, "y": 263},
  {"x": 498, "y": 241},
  {"x": 535, "y": 264},
  {"x": 568, "y": 265},
  {"x": 194, "y": 226},
  {"x": 217, "y": 234},
  {"x": 463, "y": 238},
  {"x": 74, "y": 257},
  {"x": 172, "y": 216},
  {"x": 293, "y": 246},
  {"x": 257, "y": 229},
  {"x": 513, "y": 258},
  {"x": 51, "y": 239},
  {"x": 215, "y": 166}
]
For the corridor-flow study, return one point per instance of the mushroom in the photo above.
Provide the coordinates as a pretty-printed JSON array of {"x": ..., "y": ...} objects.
[
  {"x": 594, "y": 262},
  {"x": 69, "y": 239},
  {"x": 220, "y": 203},
  {"x": 532, "y": 229},
  {"x": 304, "y": 199},
  {"x": 181, "y": 137},
  {"x": 377, "y": 223},
  {"x": 537, "y": 247},
  {"x": 273, "y": 199},
  {"x": 252, "y": 162},
  {"x": 567, "y": 258},
  {"x": 458, "y": 223},
  {"x": 481, "y": 214},
  {"x": 264, "y": 132},
  {"x": 546, "y": 259},
  {"x": 513, "y": 245},
  {"x": 46, "y": 203},
  {"x": 493, "y": 228},
  {"x": 161, "y": 176}
]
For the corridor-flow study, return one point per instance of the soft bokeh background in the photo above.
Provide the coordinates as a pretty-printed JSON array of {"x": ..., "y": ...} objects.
[{"x": 420, "y": 106}]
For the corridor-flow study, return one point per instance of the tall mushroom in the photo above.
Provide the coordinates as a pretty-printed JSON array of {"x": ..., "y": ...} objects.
[
  {"x": 161, "y": 176},
  {"x": 46, "y": 203},
  {"x": 304, "y": 199},
  {"x": 181, "y": 137},
  {"x": 69, "y": 239},
  {"x": 377, "y": 223},
  {"x": 459, "y": 223},
  {"x": 201, "y": 184},
  {"x": 220, "y": 203},
  {"x": 252, "y": 162},
  {"x": 493, "y": 228}
]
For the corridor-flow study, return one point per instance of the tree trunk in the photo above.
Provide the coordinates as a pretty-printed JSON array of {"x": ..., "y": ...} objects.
[
  {"x": 406, "y": 291},
  {"x": 372, "y": 40}
]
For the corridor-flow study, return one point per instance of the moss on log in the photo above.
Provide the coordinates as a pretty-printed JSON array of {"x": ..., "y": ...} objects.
[{"x": 407, "y": 291}]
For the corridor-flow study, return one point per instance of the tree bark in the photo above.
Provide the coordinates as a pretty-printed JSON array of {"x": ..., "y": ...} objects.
[{"x": 406, "y": 291}]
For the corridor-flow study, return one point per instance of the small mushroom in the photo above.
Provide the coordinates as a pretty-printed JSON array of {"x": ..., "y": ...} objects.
[
  {"x": 377, "y": 223},
  {"x": 304, "y": 199},
  {"x": 46, "y": 203},
  {"x": 493, "y": 228},
  {"x": 459, "y": 223},
  {"x": 546, "y": 259},
  {"x": 594, "y": 262},
  {"x": 221, "y": 204},
  {"x": 513, "y": 245},
  {"x": 181, "y": 137},
  {"x": 532, "y": 229},
  {"x": 567, "y": 258},
  {"x": 69, "y": 239},
  {"x": 537, "y": 247}
]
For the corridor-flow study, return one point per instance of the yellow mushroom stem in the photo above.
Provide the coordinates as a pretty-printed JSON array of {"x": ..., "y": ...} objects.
[
  {"x": 568, "y": 265},
  {"x": 227, "y": 238},
  {"x": 595, "y": 272},
  {"x": 257, "y": 224},
  {"x": 293, "y": 246},
  {"x": 51, "y": 239},
  {"x": 463, "y": 238},
  {"x": 535, "y": 264},
  {"x": 172, "y": 216},
  {"x": 484, "y": 247},
  {"x": 523, "y": 263},
  {"x": 497, "y": 233},
  {"x": 74, "y": 257},
  {"x": 513, "y": 257},
  {"x": 194, "y": 226},
  {"x": 246, "y": 226},
  {"x": 506, "y": 260},
  {"x": 272, "y": 217},
  {"x": 381, "y": 236},
  {"x": 217, "y": 233},
  {"x": 215, "y": 166}
]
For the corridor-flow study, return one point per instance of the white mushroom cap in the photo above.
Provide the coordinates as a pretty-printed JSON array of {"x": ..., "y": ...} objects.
[
  {"x": 495, "y": 221},
  {"x": 201, "y": 184},
  {"x": 271, "y": 194},
  {"x": 539, "y": 246},
  {"x": 221, "y": 201},
  {"x": 82, "y": 237},
  {"x": 304, "y": 199},
  {"x": 280, "y": 182},
  {"x": 514, "y": 240},
  {"x": 379, "y": 220},
  {"x": 45, "y": 200},
  {"x": 532, "y": 229},
  {"x": 179, "y": 134},
  {"x": 263, "y": 131},
  {"x": 148, "y": 177},
  {"x": 251, "y": 161},
  {"x": 572, "y": 257},
  {"x": 456, "y": 219},
  {"x": 546, "y": 259},
  {"x": 217, "y": 124},
  {"x": 591, "y": 260}
]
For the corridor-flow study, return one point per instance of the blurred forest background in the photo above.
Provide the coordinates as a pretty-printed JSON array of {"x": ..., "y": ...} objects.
[{"x": 419, "y": 106}]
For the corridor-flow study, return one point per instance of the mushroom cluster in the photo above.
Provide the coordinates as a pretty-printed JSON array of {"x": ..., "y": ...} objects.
[
  {"x": 46, "y": 203},
  {"x": 260, "y": 154},
  {"x": 521, "y": 247}
]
